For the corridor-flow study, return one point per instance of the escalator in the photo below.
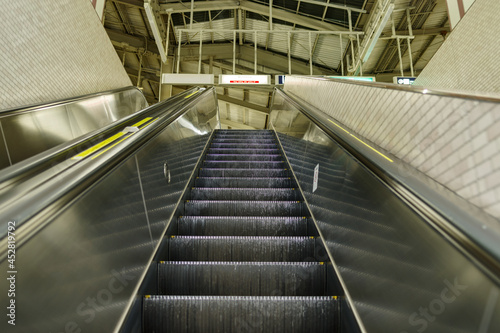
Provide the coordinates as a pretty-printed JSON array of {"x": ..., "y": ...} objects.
[
  {"x": 182, "y": 226},
  {"x": 246, "y": 256}
]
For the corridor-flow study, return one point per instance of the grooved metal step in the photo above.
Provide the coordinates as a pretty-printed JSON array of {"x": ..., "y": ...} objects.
[
  {"x": 244, "y": 164},
  {"x": 244, "y": 208},
  {"x": 243, "y": 173},
  {"x": 244, "y": 145},
  {"x": 240, "y": 314},
  {"x": 246, "y": 151},
  {"x": 274, "y": 182},
  {"x": 242, "y": 278},
  {"x": 241, "y": 248},
  {"x": 242, "y": 157},
  {"x": 260, "y": 194},
  {"x": 242, "y": 226},
  {"x": 244, "y": 140}
]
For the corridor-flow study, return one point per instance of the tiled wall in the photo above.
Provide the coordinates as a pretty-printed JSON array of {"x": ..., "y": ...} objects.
[
  {"x": 468, "y": 59},
  {"x": 455, "y": 141},
  {"x": 52, "y": 50}
]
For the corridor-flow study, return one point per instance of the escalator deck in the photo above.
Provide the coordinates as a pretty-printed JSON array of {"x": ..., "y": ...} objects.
[{"x": 246, "y": 256}]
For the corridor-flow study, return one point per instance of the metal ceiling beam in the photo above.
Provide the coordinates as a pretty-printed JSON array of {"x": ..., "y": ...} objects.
[
  {"x": 157, "y": 26},
  {"x": 331, "y": 5},
  {"x": 121, "y": 39},
  {"x": 199, "y": 6},
  {"x": 145, "y": 75},
  {"x": 271, "y": 60},
  {"x": 244, "y": 104},
  {"x": 284, "y": 15},
  {"x": 132, "y": 3}
]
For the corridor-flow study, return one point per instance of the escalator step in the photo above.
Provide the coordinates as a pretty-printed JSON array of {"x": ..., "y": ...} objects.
[
  {"x": 233, "y": 172},
  {"x": 244, "y": 164},
  {"x": 242, "y": 157},
  {"x": 243, "y": 140},
  {"x": 240, "y": 314},
  {"x": 247, "y": 151},
  {"x": 242, "y": 226},
  {"x": 241, "y": 248},
  {"x": 244, "y": 208},
  {"x": 275, "y": 194},
  {"x": 274, "y": 182},
  {"x": 244, "y": 145},
  {"x": 241, "y": 278}
]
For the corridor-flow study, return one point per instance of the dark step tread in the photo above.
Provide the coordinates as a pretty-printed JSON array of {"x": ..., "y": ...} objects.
[
  {"x": 241, "y": 314},
  {"x": 245, "y": 193},
  {"x": 243, "y": 248},
  {"x": 242, "y": 226},
  {"x": 243, "y": 172},
  {"x": 241, "y": 278},
  {"x": 244, "y": 157},
  {"x": 244, "y": 208},
  {"x": 270, "y": 182}
]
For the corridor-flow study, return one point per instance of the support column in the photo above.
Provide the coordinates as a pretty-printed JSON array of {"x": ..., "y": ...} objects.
[{"x": 166, "y": 89}]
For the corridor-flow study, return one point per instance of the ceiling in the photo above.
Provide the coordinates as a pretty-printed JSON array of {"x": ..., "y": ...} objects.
[{"x": 288, "y": 48}]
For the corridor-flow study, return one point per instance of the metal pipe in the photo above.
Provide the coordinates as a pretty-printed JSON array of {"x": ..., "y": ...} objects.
[
  {"x": 200, "y": 52},
  {"x": 191, "y": 17},
  {"x": 400, "y": 58},
  {"x": 410, "y": 30},
  {"x": 168, "y": 35},
  {"x": 310, "y": 56},
  {"x": 411, "y": 57},
  {"x": 321, "y": 32},
  {"x": 179, "y": 52},
  {"x": 255, "y": 51},
  {"x": 140, "y": 71},
  {"x": 289, "y": 53},
  {"x": 234, "y": 52},
  {"x": 341, "y": 55}
]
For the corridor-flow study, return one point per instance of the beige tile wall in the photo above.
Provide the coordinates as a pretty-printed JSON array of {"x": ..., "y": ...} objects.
[
  {"x": 52, "y": 50},
  {"x": 468, "y": 59},
  {"x": 456, "y": 141}
]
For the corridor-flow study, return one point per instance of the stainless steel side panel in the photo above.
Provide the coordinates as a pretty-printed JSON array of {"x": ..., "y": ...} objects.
[
  {"x": 399, "y": 273},
  {"x": 79, "y": 273},
  {"x": 34, "y": 130}
]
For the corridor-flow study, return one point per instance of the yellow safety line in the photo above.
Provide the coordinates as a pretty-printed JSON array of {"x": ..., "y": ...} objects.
[
  {"x": 375, "y": 150},
  {"x": 105, "y": 150},
  {"x": 142, "y": 122},
  {"x": 191, "y": 94},
  {"x": 98, "y": 146},
  {"x": 152, "y": 121}
]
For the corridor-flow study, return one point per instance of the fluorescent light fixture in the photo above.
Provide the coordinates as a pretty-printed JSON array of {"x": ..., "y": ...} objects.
[
  {"x": 194, "y": 79},
  {"x": 378, "y": 32},
  {"x": 245, "y": 79},
  {"x": 156, "y": 31}
]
